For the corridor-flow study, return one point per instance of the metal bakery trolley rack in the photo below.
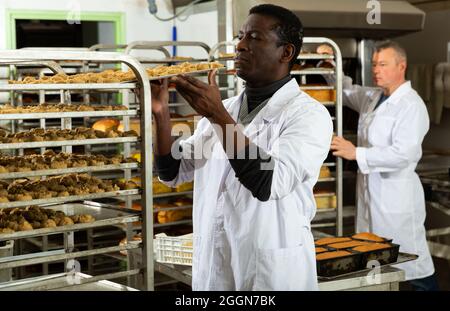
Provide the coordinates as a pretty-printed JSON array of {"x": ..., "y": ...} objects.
[
  {"x": 330, "y": 185},
  {"x": 104, "y": 215}
]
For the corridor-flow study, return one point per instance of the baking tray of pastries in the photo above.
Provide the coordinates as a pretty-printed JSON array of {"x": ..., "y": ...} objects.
[
  {"x": 62, "y": 188},
  {"x": 51, "y": 163},
  {"x": 160, "y": 72},
  {"x": 34, "y": 221},
  {"x": 402, "y": 258},
  {"x": 57, "y": 111},
  {"x": 338, "y": 256},
  {"x": 334, "y": 263},
  {"x": 111, "y": 76},
  {"x": 38, "y": 137}
]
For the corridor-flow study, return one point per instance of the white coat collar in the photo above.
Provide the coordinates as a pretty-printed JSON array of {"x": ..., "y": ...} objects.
[
  {"x": 275, "y": 104},
  {"x": 399, "y": 93}
]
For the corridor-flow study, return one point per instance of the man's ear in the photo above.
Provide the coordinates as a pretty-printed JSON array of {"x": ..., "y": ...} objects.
[
  {"x": 403, "y": 65},
  {"x": 288, "y": 53}
]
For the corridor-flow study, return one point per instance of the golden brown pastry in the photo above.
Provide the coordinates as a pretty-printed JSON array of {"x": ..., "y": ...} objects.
[
  {"x": 371, "y": 247},
  {"x": 86, "y": 218},
  {"x": 368, "y": 237},
  {"x": 349, "y": 244},
  {"x": 330, "y": 240},
  {"x": 25, "y": 226},
  {"x": 320, "y": 250},
  {"x": 49, "y": 223},
  {"x": 329, "y": 255},
  {"x": 105, "y": 125},
  {"x": 6, "y": 230}
]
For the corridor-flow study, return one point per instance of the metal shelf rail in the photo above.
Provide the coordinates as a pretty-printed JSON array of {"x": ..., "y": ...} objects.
[{"x": 337, "y": 178}]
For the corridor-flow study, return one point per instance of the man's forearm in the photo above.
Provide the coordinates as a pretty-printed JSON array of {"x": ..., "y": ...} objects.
[
  {"x": 163, "y": 141},
  {"x": 166, "y": 166},
  {"x": 247, "y": 170}
]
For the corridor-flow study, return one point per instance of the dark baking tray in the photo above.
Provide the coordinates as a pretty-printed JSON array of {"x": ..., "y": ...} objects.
[
  {"x": 402, "y": 257},
  {"x": 336, "y": 266},
  {"x": 383, "y": 256}
]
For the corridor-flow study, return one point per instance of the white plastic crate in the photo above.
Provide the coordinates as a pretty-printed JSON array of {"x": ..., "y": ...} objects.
[{"x": 173, "y": 249}]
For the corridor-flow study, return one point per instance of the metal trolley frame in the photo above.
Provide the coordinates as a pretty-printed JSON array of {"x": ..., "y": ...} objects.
[
  {"x": 145, "y": 139},
  {"x": 337, "y": 121}
]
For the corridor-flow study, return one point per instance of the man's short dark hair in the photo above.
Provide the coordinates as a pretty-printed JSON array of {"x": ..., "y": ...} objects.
[
  {"x": 388, "y": 44},
  {"x": 289, "y": 27}
]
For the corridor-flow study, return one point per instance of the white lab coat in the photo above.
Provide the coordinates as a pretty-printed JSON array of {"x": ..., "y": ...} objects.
[
  {"x": 241, "y": 243},
  {"x": 390, "y": 198}
]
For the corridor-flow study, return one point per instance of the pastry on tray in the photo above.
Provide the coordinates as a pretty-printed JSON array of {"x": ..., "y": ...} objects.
[
  {"x": 117, "y": 76},
  {"x": 47, "y": 108},
  {"x": 371, "y": 247},
  {"x": 79, "y": 133},
  {"x": 35, "y": 217},
  {"x": 348, "y": 244},
  {"x": 52, "y": 160},
  {"x": 368, "y": 237},
  {"x": 329, "y": 255},
  {"x": 330, "y": 240},
  {"x": 320, "y": 250},
  {"x": 59, "y": 186}
]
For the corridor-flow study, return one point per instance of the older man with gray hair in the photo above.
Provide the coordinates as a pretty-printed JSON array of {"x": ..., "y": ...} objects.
[{"x": 393, "y": 121}]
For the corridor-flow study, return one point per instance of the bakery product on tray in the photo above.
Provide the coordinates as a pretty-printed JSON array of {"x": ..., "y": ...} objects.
[
  {"x": 117, "y": 76},
  {"x": 334, "y": 254},
  {"x": 330, "y": 240},
  {"x": 371, "y": 247},
  {"x": 58, "y": 186},
  {"x": 51, "y": 160},
  {"x": 185, "y": 67},
  {"x": 349, "y": 244},
  {"x": 79, "y": 133},
  {"x": 47, "y": 107},
  {"x": 35, "y": 217},
  {"x": 367, "y": 236},
  {"x": 320, "y": 250}
]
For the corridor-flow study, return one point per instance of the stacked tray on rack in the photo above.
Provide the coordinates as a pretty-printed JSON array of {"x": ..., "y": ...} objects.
[
  {"x": 119, "y": 76},
  {"x": 342, "y": 255},
  {"x": 64, "y": 188},
  {"x": 56, "y": 218}
]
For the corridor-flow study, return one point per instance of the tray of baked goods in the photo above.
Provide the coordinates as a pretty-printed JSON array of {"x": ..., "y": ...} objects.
[
  {"x": 41, "y": 220},
  {"x": 62, "y": 188},
  {"x": 51, "y": 163},
  {"x": 57, "y": 111},
  {"x": 344, "y": 256},
  {"x": 38, "y": 137},
  {"x": 183, "y": 68},
  {"x": 107, "y": 79}
]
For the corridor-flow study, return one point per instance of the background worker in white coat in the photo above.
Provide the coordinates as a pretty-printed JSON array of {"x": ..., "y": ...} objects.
[
  {"x": 252, "y": 214},
  {"x": 393, "y": 121}
]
